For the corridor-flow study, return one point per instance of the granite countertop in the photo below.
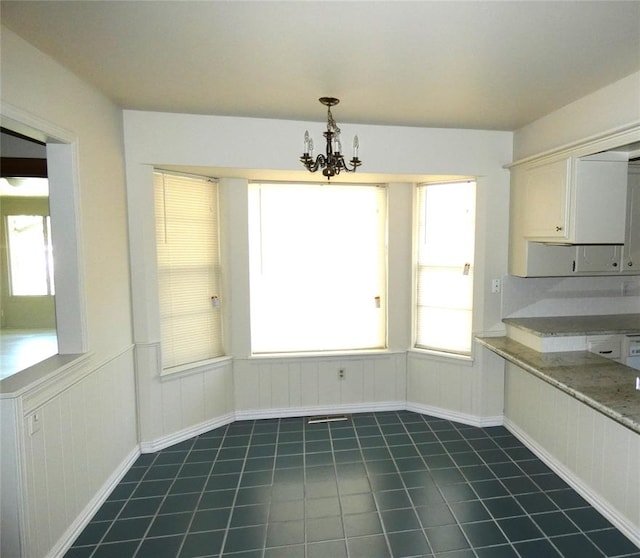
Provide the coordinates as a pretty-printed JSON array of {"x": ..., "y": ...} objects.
[
  {"x": 578, "y": 325},
  {"x": 604, "y": 385}
]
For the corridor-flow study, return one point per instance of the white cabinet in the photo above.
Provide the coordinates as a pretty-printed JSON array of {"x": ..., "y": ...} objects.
[
  {"x": 574, "y": 200},
  {"x": 631, "y": 248},
  {"x": 597, "y": 258}
]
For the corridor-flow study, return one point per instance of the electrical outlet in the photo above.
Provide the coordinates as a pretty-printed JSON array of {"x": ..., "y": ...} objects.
[
  {"x": 341, "y": 373},
  {"x": 495, "y": 285},
  {"x": 35, "y": 423}
]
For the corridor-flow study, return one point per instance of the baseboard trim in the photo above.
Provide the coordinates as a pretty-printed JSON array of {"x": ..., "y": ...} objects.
[
  {"x": 85, "y": 516},
  {"x": 182, "y": 435},
  {"x": 464, "y": 418},
  {"x": 354, "y": 408},
  {"x": 591, "y": 496}
]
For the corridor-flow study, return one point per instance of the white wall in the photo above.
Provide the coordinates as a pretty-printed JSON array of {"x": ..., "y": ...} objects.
[
  {"x": 238, "y": 148},
  {"x": 86, "y": 406},
  {"x": 614, "y": 107}
]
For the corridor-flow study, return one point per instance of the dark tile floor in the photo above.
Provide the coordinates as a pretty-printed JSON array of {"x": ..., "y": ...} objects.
[{"x": 380, "y": 484}]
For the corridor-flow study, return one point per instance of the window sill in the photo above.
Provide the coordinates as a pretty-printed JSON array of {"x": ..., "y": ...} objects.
[
  {"x": 442, "y": 356},
  {"x": 353, "y": 354}
]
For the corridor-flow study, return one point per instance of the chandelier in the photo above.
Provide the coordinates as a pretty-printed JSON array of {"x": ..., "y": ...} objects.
[{"x": 332, "y": 162}]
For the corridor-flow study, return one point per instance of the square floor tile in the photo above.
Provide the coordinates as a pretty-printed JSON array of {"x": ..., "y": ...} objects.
[
  {"x": 520, "y": 529},
  {"x": 588, "y": 519},
  {"x": 501, "y": 551},
  {"x": 612, "y": 542},
  {"x": 447, "y": 476},
  {"x": 125, "y": 549},
  {"x": 446, "y": 538},
  {"x": 483, "y": 533},
  {"x": 127, "y": 529},
  {"x": 361, "y": 524},
  {"x": 408, "y": 543},
  {"x": 164, "y": 547},
  {"x": 358, "y": 503},
  {"x": 286, "y": 510},
  {"x": 392, "y": 499},
  {"x": 334, "y": 549},
  {"x": 567, "y": 499},
  {"x": 92, "y": 533},
  {"x": 503, "y": 507},
  {"x": 489, "y": 488},
  {"x": 536, "y": 549},
  {"x": 435, "y": 515},
  {"x": 210, "y": 520},
  {"x": 324, "y": 528},
  {"x": 170, "y": 524},
  {"x": 400, "y": 520},
  {"x": 294, "y": 551},
  {"x": 536, "y": 503},
  {"x": 245, "y": 516},
  {"x": 202, "y": 544},
  {"x": 245, "y": 538},
  {"x": 387, "y": 481},
  {"x": 576, "y": 545},
  {"x": 368, "y": 547},
  {"x": 467, "y": 512},
  {"x": 461, "y": 492},
  {"x": 214, "y": 499},
  {"x": 554, "y": 523},
  {"x": 322, "y": 507},
  {"x": 141, "y": 507},
  {"x": 285, "y": 533},
  {"x": 477, "y": 473},
  {"x": 424, "y": 496}
]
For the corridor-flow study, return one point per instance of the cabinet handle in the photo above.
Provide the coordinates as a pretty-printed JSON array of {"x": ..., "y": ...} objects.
[
  {"x": 630, "y": 264},
  {"x": 558, "y": 229}
]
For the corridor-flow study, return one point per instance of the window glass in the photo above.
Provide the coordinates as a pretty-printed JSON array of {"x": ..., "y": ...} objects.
[
  {"x": 30, "y": 255},
  {"x": 188, "y": 268},
  {"x": 318, "y": 267},
  {"x": 445, "y": 242}
]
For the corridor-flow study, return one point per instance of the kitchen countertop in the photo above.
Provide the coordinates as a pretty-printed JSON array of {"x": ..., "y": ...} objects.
[
  {"x": 604, "y": 385},
  {"x": 578, "y": 325}
]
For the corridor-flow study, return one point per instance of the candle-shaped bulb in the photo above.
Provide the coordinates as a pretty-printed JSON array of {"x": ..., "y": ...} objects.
[
  {"x": 337, "y": 144},
  {"x": 356, "y": 145},
  {"x": 310, "y": 147},
  {"x": 307, "y": 139}
]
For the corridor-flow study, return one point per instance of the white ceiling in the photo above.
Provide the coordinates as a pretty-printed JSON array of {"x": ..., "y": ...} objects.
[{"x": 485, "y": 65}]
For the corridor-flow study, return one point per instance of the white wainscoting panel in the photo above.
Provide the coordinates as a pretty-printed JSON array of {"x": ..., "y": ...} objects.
[
  {"x": 174, "y": 407},
  {"x": 292, "y": 386},
  {"x": 87, "y": 430},
  {"x": 594, "y": 454},
  {"x": 440, "y": 383}
]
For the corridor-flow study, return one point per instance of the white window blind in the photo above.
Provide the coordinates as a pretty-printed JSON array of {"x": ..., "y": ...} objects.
[
  {"x": 318, "y": 267},
  {"x": 446, "y": 238},
  {"x": 188, "y": 268}
]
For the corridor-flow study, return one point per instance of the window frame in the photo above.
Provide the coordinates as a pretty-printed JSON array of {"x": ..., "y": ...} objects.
[
  {"x": 434, "y": 351},
  {"x": 221, "y": 356},
  {"x": 301, "y": 353}
]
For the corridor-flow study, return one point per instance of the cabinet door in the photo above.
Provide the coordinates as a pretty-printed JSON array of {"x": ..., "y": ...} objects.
[
  {"x": 546, "y": 195},
  {"x": 599, "y": 200},
  {"x": 631, "y": 249},
  {"x": 598, "y": 258}
]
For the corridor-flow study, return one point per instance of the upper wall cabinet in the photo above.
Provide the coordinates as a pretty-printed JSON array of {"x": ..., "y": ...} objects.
[
  {"x": 631, "y": 248},
  {"x": 573, "y": 200}
]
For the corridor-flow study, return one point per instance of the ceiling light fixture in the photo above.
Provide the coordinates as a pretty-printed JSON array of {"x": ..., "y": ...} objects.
[{"x": 332, "y": 162}]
